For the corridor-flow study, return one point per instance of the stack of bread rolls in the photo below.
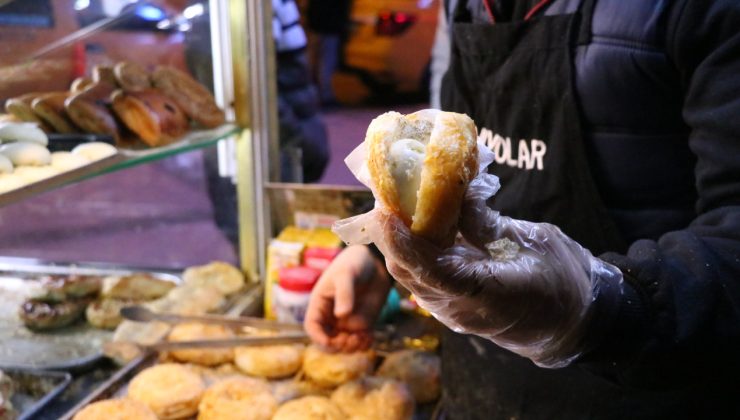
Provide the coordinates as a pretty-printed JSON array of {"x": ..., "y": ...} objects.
[
  {"x": 25, "y": 159},
  {"x": 126, "y": 102}
]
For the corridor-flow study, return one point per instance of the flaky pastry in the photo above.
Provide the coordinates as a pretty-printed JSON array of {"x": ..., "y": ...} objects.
[
  {"x": 270, "y": 362},
  {"x": 238, "y": 398},
  {"x": 309, "y": 408},
  {"x": 118, "y": 409},
  {"x": 333, "y": 369},
  {"x": 171, "y": 390},
  {"x": 420, "y": 165},
  {"x": 201, "y": 356},
  {"x": 373, "y": 398}
]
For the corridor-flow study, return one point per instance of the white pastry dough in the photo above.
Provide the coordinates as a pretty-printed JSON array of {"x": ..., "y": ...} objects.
[
  {"x": 66, "y": 161},
  {"x": 26, "y": 154},
  {"x": 6, "y": 166},
  {"x": 95, "y": 150},
  {"x": 23, "y": 131},
  {"x": 10, "y": 182},
  {"x": 35, "y": 173}
]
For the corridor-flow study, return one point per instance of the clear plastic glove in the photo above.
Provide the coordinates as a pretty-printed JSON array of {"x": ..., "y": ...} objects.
[{"x": 534, "y": 300}]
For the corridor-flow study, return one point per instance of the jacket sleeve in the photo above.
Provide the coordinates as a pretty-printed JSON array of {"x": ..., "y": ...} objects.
[{"x": 677, "y": 314}]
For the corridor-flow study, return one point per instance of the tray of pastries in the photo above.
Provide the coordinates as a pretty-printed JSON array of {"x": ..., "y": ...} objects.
[
  {"x": 284, "y": 381},
  {"x": 61, "y": 317},
  {"x": 131, "y": 105}
]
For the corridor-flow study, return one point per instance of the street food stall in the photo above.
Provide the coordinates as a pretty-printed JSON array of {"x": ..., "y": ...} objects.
[{"x": 94, "y": 92}]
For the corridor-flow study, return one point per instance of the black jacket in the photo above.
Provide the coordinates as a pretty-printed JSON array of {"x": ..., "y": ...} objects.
[
  {"x": 303, "y": 136},
  {"x": 659, "y": 91}
]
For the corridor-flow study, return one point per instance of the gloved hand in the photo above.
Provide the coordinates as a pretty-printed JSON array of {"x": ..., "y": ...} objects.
[{"x": 535, "y": 302}]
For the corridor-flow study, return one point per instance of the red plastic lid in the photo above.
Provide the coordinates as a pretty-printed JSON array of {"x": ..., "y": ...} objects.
[
  {"x": 321, "y": 252},
  {"x": 298, "y": 279}
]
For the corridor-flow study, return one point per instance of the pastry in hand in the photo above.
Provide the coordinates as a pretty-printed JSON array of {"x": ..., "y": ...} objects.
[{"x": 420, "y": 165}]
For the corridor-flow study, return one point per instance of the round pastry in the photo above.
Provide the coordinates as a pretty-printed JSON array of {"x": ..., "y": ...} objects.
[
  {"x": 119, "y": 409},
  {"x": 333, "y": 369},
  {"x": 6, "y": 165},
  {"x": 420, "y": 165},
  {"x": 132, "y": 77},
  {"x": 35, "y": 173},
  {"x": 188, "y": 94},
  {"x": 105, "y": 74},
  {"x": 172, "y": 391},
  {"x": 89, "y": 111},
  {"x": 419, "y": 370},
  {"x": 9, "y": 118},
  {"x": 23, "y": 132},
  {"x": 309, "y": 408},
  {"x": 95, "y": 150},
  {"x": 374, "y": 399},
  {"x": 26, "y": 154},
  {"x": 10, "y": 182},
  {"x": 50, "y": 108},
  {"x": 66, "y": 161},
  {"x": 155, "y": 118},
  {"x": 79, "y": 84},
  {"x": 20, "y": 107},
  {"x": 195, "y": 331},
  {"x": 91, "y": 117},
  {"x": 238, "y": 398},
  {"x": 226, "y": 278},
  {"x": 105, "y": 313},
  {"x": 270, "y": 362}
]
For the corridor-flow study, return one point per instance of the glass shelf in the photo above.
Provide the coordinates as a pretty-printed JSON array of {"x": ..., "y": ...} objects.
[{"x": 123, "y": 159}]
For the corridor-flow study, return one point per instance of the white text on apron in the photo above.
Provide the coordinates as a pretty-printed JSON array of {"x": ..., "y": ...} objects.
[{"x": 529, "y": 154}]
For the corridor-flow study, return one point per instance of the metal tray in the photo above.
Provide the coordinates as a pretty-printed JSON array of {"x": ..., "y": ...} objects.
[
  {"x": 72, "y": 348},
  {"x": 34, "y": 389}
]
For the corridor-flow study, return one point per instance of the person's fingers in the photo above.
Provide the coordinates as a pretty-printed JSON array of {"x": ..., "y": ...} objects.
[
  {"x": 338, "y": 341},
  {"x": 403, "y": 247},
  {"x": 314, "y": 327},
  {"x": 344, "y": 295}
]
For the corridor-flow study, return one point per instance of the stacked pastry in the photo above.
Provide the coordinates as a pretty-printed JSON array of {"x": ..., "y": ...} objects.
[
  {"x": 25, "y": 159},
  {"x": 124, "y": 101}
]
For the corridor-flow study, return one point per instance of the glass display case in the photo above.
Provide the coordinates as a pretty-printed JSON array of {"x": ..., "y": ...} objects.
[{"x": 166, "y": 196}]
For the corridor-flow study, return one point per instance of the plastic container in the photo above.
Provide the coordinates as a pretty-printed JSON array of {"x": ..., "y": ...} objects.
[
  {"x": 293, "y": 292},
  {"x": 319, "y": 257}
]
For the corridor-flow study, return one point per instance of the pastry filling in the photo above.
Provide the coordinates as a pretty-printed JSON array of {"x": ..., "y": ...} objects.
[{"x": 406, "y": 160}]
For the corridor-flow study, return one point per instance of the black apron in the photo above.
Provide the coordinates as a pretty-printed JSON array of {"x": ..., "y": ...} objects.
[{"x": 515, "y": 79}]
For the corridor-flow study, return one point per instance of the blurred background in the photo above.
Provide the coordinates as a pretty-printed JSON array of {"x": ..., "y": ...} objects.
[{"x": 339, "y": 64}]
